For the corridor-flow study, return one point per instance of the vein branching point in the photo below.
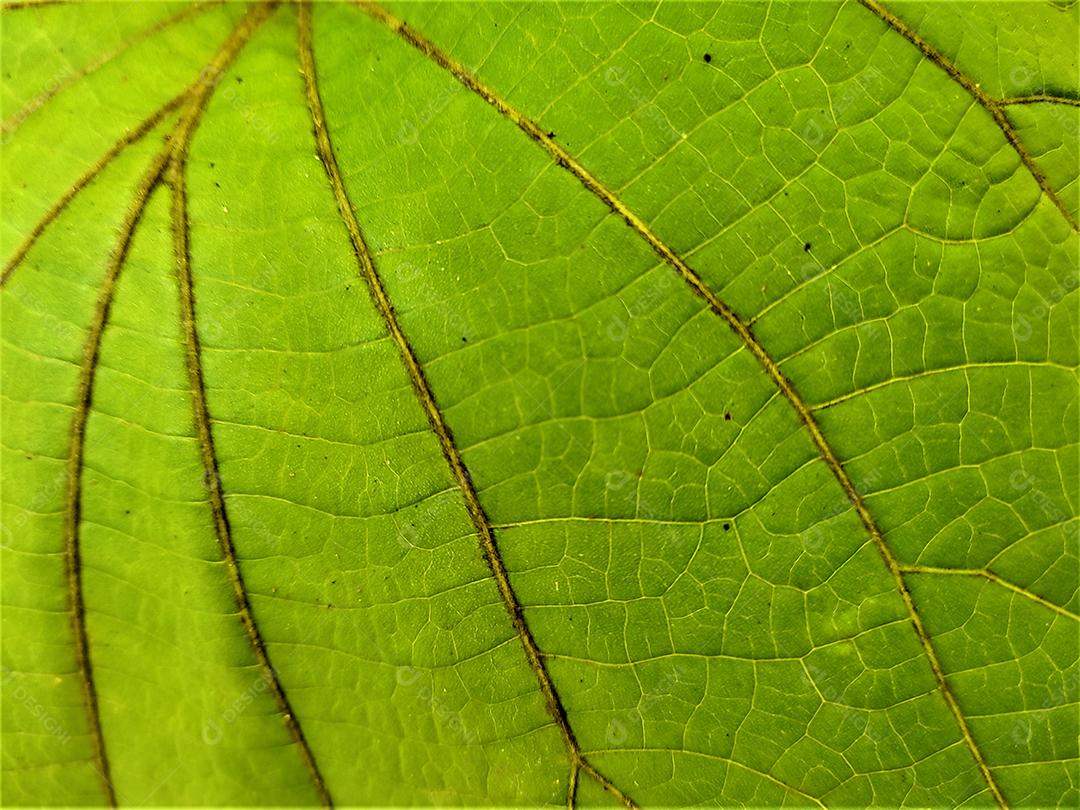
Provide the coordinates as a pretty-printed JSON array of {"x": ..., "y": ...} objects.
[
  {"x": 996, "y": 107},
  {"x": 567, "y": 161},
  {"x": 193, "y": 103}
]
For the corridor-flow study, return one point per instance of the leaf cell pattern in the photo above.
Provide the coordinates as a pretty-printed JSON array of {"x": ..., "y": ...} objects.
[{"x": 550, "y": 403}]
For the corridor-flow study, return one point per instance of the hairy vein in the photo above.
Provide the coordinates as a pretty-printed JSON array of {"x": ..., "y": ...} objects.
[
  {"x": 994, "y": 106},
  {"x": 73, "y": 508},
  {"x": 463, "y": 479},
  {"x": 57, "y": 86},
  {"x": 97, "y": 167},
  {"x": 179, "y": 138},
  {"x": 1041, "y": 98},
  {"x": 193, "y": 356},
  {"x": 565, "y": 160}
]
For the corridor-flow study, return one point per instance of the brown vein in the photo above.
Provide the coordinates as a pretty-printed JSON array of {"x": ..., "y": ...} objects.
[
  {"x": 996, "y": 107},
  {"x": 462, "y": 478},
  {"x": 98, "y": 166},
  {"x": 181, "y": 228},
  {"x": 11, "y": 123},
  {"x": 19, "y": 5},
  {"x": 1041, "y": 98},
  {"x": 983, "y": 573},
  {"x": 153, "y": 176},
  {"x": 181, "y": 248},
  {"x": 564, "y": 159},
  {"x": 72, "y": 551}
]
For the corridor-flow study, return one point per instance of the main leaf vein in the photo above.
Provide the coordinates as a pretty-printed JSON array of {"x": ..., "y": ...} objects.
[{"x": 565, "y": 160}]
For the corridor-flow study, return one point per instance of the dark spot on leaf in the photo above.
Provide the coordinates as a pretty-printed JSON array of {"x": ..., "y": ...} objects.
[
  {"x": 727, "y": 527},
  {"x": 551, "y": 134},
  {"x": 806, "y": 247},
  {"x": 727, "y": 416},
  {"x": 239, "y": 79},
  {"x": 708, "y": 57}
]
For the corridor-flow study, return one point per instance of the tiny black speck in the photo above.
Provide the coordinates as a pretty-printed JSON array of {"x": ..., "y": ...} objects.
[
  {"x": 806, "y": 247},
  {"x": 727, "y": 527},
  {"x": 551, "y": 134},
  {"x": 708, "y": 57},
  {"x": 727, "y": 416}
]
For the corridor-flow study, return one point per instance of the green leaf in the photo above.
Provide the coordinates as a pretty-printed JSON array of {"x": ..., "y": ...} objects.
[{"x": 540, "y": 403}]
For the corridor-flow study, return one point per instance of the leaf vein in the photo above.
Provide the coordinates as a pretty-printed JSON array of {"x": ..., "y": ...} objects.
[
  {"x": 459, "y": 471},
  {"x": 568, "y": 162}
]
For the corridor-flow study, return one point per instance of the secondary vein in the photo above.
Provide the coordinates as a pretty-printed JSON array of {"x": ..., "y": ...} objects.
[
  {"x": 11, "y": 123},
  {"x": 127, "y": 139},
  {"x": 994, "y": 106},
  {"x": 481, "y": 523},
  {"x": 73, "y": 510},
  {"x": 990, "y": 576},
  {"x": 151, "y": 179},
  {"x": 741, "y": 329}
]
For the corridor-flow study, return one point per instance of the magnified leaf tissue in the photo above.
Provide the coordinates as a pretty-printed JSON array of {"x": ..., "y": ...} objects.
[{"x": 583, "y": 404}]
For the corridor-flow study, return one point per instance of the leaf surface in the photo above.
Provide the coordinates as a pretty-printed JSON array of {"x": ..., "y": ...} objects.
[{"x": 540, "y": 403}]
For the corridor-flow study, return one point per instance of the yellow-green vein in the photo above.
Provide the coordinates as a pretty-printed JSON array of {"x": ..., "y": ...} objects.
[{"x": 990, "y": 576}]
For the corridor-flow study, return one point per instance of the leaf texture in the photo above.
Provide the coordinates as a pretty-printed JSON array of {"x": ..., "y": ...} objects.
[{"x": 562, "y": 403}]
